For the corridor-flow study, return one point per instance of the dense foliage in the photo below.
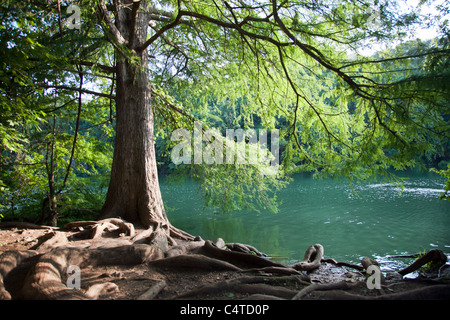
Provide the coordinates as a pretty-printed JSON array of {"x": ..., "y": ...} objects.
[{"x": 297, "y": 66}]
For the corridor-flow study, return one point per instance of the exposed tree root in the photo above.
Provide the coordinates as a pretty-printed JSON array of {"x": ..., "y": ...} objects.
[
  {"x": 95, "y": 229},
  {"x": 343, "y": 285},
  {"x": 311, "y": 260},
  {"x": 244, "y": 248},
  {"x": 436, "y": 292},
  {"x": 270, "y": 290},
  {"x": 278, "y": 270},
  {"x": 240, "y": 259},
  {"x": 185, "y": 248},
  {"x": 101, "y": 289},
  {"x": 249, "y": 285},
  {"x": 44, "y": 271},
  {"x": 45, "y": 280},
  {"x": 50, "y": 241},
  {"x": 180, "y": 234},
  {"x": 434, "y": 255},
  {"x": 343, "y": 264},
  {"x": 153, "y": 291},
  {"x": 9, "y": 260},
  {"x": 259, "y": 297},
  {"x": 194, "y": 261}
]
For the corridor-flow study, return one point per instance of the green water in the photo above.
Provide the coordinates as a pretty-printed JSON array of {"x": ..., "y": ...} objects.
[{"x": 374, "y": 220}]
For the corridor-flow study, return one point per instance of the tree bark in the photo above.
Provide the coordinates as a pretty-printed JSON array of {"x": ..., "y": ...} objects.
[
  {"x": 435, "y": 255},
  {"x": 134, "y": 193}
]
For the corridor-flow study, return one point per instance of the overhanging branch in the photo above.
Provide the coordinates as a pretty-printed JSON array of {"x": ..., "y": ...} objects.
[
  {"x": 161, "y": 31},
  {"x": 80, "y": 90},
  {"x": 312, "y": 52},
  {"x": 227, "y": 25},
  {"x": 106, "y": 69},
  {"x": 234, "y": 26}
]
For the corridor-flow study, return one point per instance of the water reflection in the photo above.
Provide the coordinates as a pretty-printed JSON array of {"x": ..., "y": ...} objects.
[{"x": 370, "y": 220}]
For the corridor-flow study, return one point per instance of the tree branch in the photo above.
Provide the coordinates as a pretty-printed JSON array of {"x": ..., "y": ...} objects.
[
  {"x": 169, "y": 26},
  {"x": 75, "y": 135},
  {"x": 312, "y": 52},
  {"x": 419, "y": 55},
  {"x": 104, "y": 15},
  {"x": 234, "y": 26},
  {"x": 175, "y": 46},
  {"x": 104, "y": 68},
  {"x": 100, "y": 94}
]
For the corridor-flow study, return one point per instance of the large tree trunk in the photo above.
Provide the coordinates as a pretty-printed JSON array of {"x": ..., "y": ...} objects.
[{"x": 134, "y": 193}]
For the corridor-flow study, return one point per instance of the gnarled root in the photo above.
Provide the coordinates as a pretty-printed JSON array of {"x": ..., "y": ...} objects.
[
  {"x": 434, "y": 292},
  {"x": 100, "y": 289},
  {"x": 45, "y": 279},
  {"x": 8, "y": 261},
  {"x": 238, "y": 258},
  {"x": 343, "y": 264},
  {"x": 194, "y": 261},
  {"x": 180, "y": 234},
  {"x": 95, "y": 229},
  {"x": 244, "y": 248},
  {"x": 435, "y": 255},
  {"x": 343, "y": 285},
  {"x": 311, "y": 260},
  {"x": 267, "y": 286}
]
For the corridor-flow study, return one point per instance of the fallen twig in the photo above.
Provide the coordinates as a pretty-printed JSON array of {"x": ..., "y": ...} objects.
[{"x": 153, "y": 291}]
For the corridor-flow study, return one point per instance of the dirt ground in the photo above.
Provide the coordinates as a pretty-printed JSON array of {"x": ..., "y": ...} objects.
[{"x": 133, "y": 281}]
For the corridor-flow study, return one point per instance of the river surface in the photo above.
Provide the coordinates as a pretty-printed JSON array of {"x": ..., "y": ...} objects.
[{"x": 375, "y": 220}]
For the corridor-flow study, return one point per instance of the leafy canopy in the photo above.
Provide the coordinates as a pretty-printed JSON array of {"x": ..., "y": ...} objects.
[{"x": 299, "y": 66}]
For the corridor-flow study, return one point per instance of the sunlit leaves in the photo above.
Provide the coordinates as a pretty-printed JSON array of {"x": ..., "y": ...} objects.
[
  {"x": 340, "y": 113},
  {"x": 299, "y": 66}
]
